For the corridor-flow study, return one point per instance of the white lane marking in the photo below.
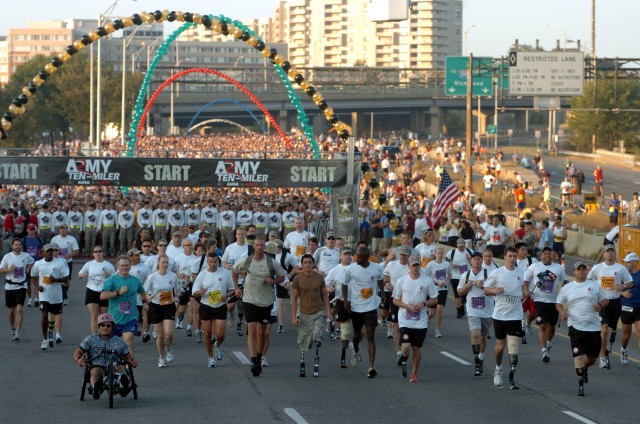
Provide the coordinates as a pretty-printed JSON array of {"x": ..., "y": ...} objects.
[
  {"x": 243, "y": 359},
  {"x": 455, "y": 358},
  {"x": 579, "y": 417},
  {"x": 293, "y": 414},
  {"x": 636, "y": 182}
]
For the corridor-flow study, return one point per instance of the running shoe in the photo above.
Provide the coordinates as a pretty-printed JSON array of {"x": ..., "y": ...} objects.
[
  {"x": 389, "y": 331},
  {"x": 50, "y": 337},
  {"x": 529, "y": 329},
  {"x": 230, "y": 320},
  {"x": 161, "y": 362},
  {"x": 179, "y": 324},
  {"x": 219, "y": 352},
  {"x": 545, "y": 356},
  {"x": 58, "y": 338},
  {"x": 189, "y": 332},
  {"x": 403, "y": 371},
  {"x": 524, "y": 337},
  {"x": 602, "y": 362},
  {"x": 343, "y": 363},
  {"x": 372, "y": 372},
  {"x": 13, "y": 333},
  {"x": 45, "y": 344},
  {"x": 65, "y": 302},
  {"x": 497, "y": 378},
  {"x": 29, "y": 302},
  {"x": 255, "y": 369},
  {"x": 624, "y": 356},
  {"x": 36, "y": 302},
  {"x": 145, "y": 337},
  {"x": 239, "y": 329},
  {"x": 413, "y": 378},
  {"x": 399, "y": 358},
  {"x": 169, "y": 355},
  {"x": 15, "y": 337},
  {"x": 512, "y": 382},
  {"x": 355, "y": 356},
  {"x": 280, "y": 329},
  {"x": 211, "y": 362},
  {"x": 437, "y": 334},
  {"x": 383, "y": 323},
  {"x": 199, "y": 336},
  {"x": 580, "y": 388},
  {"x": 155, "y": 335},
  {"x": 264, "y": 362},
  {"x": 332, "y": 336}
]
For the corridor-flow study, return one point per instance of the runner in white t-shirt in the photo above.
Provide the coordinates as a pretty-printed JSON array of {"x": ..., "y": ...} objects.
[
  {"x": 334, "y": 280},
  {"x": 585, "y": 300},
  {"x": 479, "y": 308},
  {"x": 96, "y": 272},
  {"x": 360, "y": 288},
  {"x": 413, "y": 294},
  {"x": 506, "y": 284},
  {"x": 16, "y": 265},
  {"x": 439, "y": 271}
]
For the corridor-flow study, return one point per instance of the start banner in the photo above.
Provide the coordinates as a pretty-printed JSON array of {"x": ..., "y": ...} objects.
[{"x": 152, "y": 172}]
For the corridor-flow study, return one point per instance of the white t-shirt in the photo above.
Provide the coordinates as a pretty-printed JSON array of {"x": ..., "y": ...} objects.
[
  {"x": 46, "y": 271},
  {"x": 141, "y": 271},
  {"x": 545, "y": 281},
  {"x": 440, "y": 273},
  {"x": 161, "y": 287},
  {"x": 610, "y": 275},
  {"x": 478, "y": 305},
  {"x": 427, "y": 253},
  {"x": 334, "y": 278},
  {"x": 297, "y": 243},
  {"x": 413, "y": 292},
  {"x": 508, "y": 306},
  {"x": 326, "y": 259},
  {"x": 461, "y": 259},
  {"x": 497, "y": 236},
  {"x": 173, "y": 251},
  {"x": 233, "y": 252},
  {"x": 152, "y": 263},
  {"x": 395, "y": 270},
  {"x": 184, "y": 264},
  {"x": 66, "y": 244},
  {"x": 363, "y": 286},
  {"x": 581, "y": 298},
  {"x": 95, "y": 272},
  {"x": 19, "y": 274},
  {"x": 145, "y": 259},
  {"x": 217, "y": 284},
  {"x": 523, "y": 264}
]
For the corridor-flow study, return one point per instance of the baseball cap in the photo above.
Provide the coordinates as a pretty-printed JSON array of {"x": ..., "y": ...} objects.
[
  {"x": 346, "y": 249},
  {"x": 54, "y": 246},
  {"x": 460, "y": 242},
  {"x": 177, "y": 233},
  {"x": 47, "y": 247},
  {"x": 579, "y": 264},
  {"x": 405, "y": 250},
  {"x": 631, "y": 257},
  {"x": 273, "y": 233},
  {"x": 476, "y": 253},
  {"x": 31, "y": 226},
  {"x": 544, "y": 249},
  {"x": 609, "y": 247},
  {"x": 415, "y": 259},
  {"x": 133, "y": 252},
  {"x": 420, "y": 212}
]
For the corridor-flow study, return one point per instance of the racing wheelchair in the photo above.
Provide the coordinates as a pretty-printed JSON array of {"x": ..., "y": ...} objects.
[{"x": 111, "y": 381}]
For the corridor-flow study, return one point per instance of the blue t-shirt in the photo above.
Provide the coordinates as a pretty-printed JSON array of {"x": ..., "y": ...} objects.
[
  {"x": 634, "y": 302},
  {"x": 386, "y": 231},
  {"x": 123, "y": 308},
  {"x": 32, "y": 246}
]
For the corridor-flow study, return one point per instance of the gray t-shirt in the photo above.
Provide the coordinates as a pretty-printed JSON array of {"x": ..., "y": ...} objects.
[
  {"x": 256, "y": 290},
  {"x": 95, "y": 346}
]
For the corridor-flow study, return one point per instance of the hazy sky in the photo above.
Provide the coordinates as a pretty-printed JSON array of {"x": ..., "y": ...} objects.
[{"x": 497, "y": 22}]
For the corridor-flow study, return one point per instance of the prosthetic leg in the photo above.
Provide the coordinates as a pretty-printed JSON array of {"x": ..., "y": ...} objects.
[{"x": 316, "y": 362}]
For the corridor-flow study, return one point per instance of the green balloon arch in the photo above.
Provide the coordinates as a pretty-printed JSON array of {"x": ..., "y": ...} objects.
[{"x": 219, "y": 24}]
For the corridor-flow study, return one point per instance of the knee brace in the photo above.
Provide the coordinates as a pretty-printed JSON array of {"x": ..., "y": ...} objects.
[
  {"x": 51, "y": 317},
  {"x": 512, "y": 343},
  {"x": 345, "y": 331}
]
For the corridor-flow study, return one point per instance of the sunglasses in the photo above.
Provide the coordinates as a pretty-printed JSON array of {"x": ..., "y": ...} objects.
[
  {"x": 134, "y": 254},
  {"x": 146, "y": 245},
  {"x": 104, "y": 325},
  {"x": 162, "y": 245},
  {"x": 331, "y": 238},
  {"x": 187, "y": 245},
  {"x": 97, "y": 251}
]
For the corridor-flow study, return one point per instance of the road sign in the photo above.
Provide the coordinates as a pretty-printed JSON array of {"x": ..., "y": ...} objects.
[
  {"x": 546, "y": 73},
  {"x": 492, "y": 129},
  {"x": 456, "y": 76}
]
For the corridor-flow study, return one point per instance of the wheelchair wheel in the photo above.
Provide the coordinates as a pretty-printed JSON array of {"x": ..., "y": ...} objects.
[
  {"x": 132, "y": 382},
  {"x": 110, "y": 382},
  {"x": 85, "y": 378}
]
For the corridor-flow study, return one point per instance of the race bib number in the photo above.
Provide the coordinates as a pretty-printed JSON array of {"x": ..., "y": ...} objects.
[
  {"x": 607, "y": 283},
  {"x": 512, "y": 299},
  {"x": 425, "y": 262},
  {"x": 301, "y": 250},
  {"x": 366, "y": 293},
  {"x": 412, "y": 316},
  {"x": 18, "y": 273},
  {"x": 125, "y": 308},
  {"x": 444, "y": 239},
  {"x": 47, "y": 279},
  {"x": 441, "y": 274},
  {"x": 478, "y": 302},
  {"x": 627, "y": 309},
  {"x": 64, "y": 251},
  {"x": 547, "y": 287},
  {"x": 165, "y": 298},
  {"x": 215, "y": 296},
  {"x": 463, "y": 268}
]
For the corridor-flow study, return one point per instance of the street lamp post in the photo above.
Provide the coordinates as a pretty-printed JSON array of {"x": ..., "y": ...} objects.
[
  {"x": 466, "y": 34},
  {"x": 125, "y": 43},
  {"x": 171, "y": 110},
  {"x": 562, "y": 31}
]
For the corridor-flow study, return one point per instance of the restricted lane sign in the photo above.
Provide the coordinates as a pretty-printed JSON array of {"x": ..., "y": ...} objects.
[{"x": 546, "y": 73}]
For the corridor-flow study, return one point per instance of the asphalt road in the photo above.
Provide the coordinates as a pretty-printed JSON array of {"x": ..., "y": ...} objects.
[{"x": 44, "y": 386}]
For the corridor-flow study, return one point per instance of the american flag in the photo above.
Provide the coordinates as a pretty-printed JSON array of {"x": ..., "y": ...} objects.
[{"x": 448, "y": 192}]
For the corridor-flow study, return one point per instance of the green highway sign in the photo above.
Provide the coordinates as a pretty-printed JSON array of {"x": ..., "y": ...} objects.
[
  {"x": 492, "y": 129},
  {"x": 483, "y": 70}
]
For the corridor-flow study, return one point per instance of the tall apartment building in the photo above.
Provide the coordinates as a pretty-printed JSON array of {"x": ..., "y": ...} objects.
[{"x": 341, "y": 33}]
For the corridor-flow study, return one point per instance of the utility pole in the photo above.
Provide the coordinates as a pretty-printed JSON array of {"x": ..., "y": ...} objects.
[{"x": 467, "y": 155}]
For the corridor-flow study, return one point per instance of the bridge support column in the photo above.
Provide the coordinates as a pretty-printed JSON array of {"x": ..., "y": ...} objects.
[
  {"x": 520, "y": 118},
  {"x": 437, "y": 121},
  {"x": 417, "y": 121}
]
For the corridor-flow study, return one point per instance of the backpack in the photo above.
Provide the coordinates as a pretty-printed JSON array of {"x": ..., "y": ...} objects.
[
  {"x": 247, "y": 264},
  {"x": 452, "y": 253},
  {"x": 466, "y": 280},
  {"x": 282, "y": 263}
]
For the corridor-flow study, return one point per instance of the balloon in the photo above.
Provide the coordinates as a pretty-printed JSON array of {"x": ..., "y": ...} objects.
[
  {"x": 393, "y": 224},
  {"x": 395, "y": 241},
  {"x": 375, "y": 204},
  {"x": 376, "y": 192},
  {"x": 369, "y": 175},
  {"x": 386, "y": 207}
]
